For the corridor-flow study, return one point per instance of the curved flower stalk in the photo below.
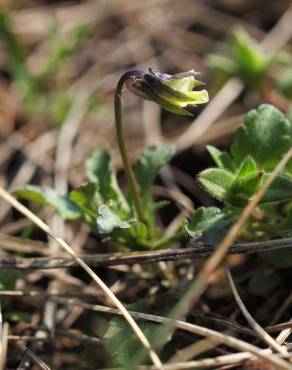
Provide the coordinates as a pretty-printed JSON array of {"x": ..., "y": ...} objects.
[{"x": 174, "y": 93}]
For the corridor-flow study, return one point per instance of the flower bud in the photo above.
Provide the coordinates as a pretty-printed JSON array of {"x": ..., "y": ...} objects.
[{"x": 171, "y": 92}]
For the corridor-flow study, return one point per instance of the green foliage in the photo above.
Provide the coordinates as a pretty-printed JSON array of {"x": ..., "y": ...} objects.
[
  {"x": 208, "y": 224},
  {"x": 266, "y": 135},
  {"x": 62, "y": 204},
  {"x": 101, "y": 204},
  {"x": 7, "y": 282},
  {"x": 217, "y": 182},
  {"x": 242, "y": 57},
  {"x": 259, "y": 145},
  {"x": 99, "y": 170},
  {"x": 122, "y": 344},
  {"x": 147, "y": 167},
  {"x": 107, "y": 221}
]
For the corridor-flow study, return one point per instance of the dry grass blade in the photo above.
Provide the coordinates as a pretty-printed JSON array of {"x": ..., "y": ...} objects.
[
  {"x": 284, "y": 334},
  {"x": 212, "y": 335},
  {"x": 37, "y": 221},
  {"x": 192, "y": 350},
  {"x": 253, "y": 324},
  {"x": 3, "y": 344},
  {"x": 33, "y": 357}
]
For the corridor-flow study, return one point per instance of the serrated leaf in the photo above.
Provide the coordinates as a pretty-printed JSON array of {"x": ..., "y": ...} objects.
[
  {"x": 99, "y": 169},
  {"x": 107, "y": 221},
  {"x": 266, "y": 135},
  {"x": 148, "y": 165},
  {"x": 217, "y": 182},
  {"x": 62, "y": 204},
  {"x": 202, "y": 220},
  {"x": 222, "y": 159}
]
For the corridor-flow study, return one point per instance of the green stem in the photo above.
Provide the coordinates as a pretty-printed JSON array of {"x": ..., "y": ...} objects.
[{"x": 123, "y": 151}]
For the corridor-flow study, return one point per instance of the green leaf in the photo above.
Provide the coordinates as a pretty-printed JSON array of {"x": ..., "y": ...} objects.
[
  {"x": 202, "y": 220},
  {"x": 266, "y": 135},
  {"x": 62, "y": 204},
  {"x": 242, "y": 57},
  {"x": 243, "y": 188},
  {"x": 87, "y": 198},
  {"x": 280, "y": 190},
  {"x": 217, "y": 182},
  {"x": 248, "y": 168},
  {"x": 222, "y": 63},
  {"x": 99, "y": 169},
  {"x": 251, "y": 62},
  {"x": 148, "y": 165},
  {"x": 122, "y": 344},
  {"x": 107, "y": 221},
  {"x": 222, "y": 159},
  {"x": 8, "y": 280}
]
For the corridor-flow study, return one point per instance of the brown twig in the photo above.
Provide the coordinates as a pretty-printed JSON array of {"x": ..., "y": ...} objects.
[{"x": 115, "y": 259}]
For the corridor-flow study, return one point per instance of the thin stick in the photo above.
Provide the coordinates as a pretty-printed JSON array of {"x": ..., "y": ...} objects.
[
  {"x": 33, "y": 357},
  {"x": 197, "y": 251},
  {"x": 37, "y": 221},
  {"x": 270, "y": 341},
  {"x": 284, "y": 334},
  {"x": 4, "y": 345}
]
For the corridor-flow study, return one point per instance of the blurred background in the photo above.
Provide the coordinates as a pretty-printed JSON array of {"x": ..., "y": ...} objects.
[{"x": 59, "y": 65}]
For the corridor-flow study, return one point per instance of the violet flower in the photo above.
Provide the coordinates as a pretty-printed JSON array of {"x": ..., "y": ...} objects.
[{"x": 171, "y": 92}]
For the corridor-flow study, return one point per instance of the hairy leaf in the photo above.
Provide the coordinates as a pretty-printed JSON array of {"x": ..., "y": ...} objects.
[{"x": 217, "y": 182}]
